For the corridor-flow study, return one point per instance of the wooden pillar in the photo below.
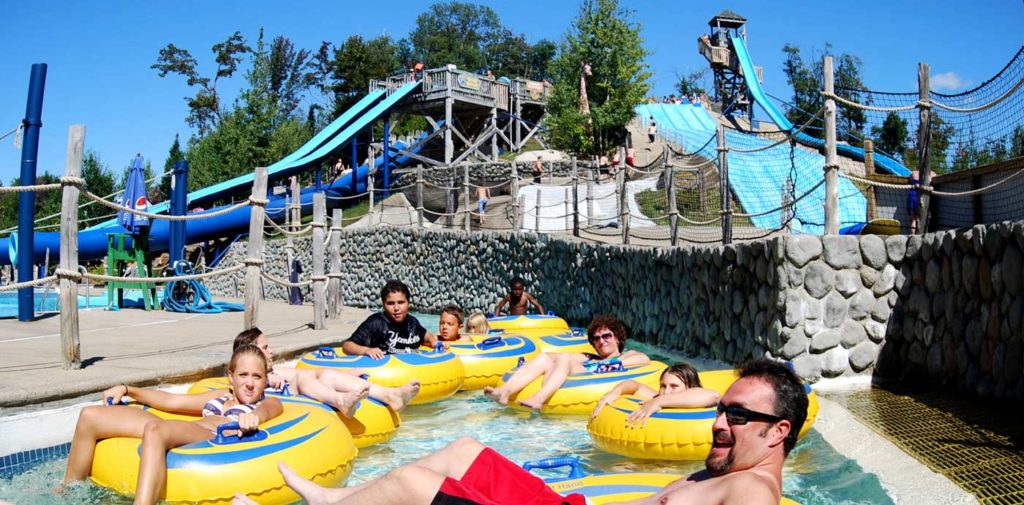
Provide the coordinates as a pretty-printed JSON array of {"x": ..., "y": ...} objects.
[
  {"x": 449, "y": 155},
  {"x": 319, "y": 259},
  {"x": 334, "y": 283},
  {"x": 670, "y": 196},
  {"x": 465, "y": 191},
  {"x": 254, "y": 261},
  {"x": 419, "y": 195},
  {"x": 590, "y": 196},
  {"x": 869, "y": 170},
  {"x": 70, "y": 356},
  {"x": 575, "y": 200},
  {"x": 831, "y": 159},
  {"x": 514, "y": 194},
  {"x": 623, "y": 206},
  {"x": 924, "y": 134},
  {"x": 536, "y": 214},
  {"x": 723, "y": 186}
]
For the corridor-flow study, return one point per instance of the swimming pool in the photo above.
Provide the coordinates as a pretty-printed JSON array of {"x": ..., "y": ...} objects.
[
  {"x": 49, "y": 301},
  {"x": 814, "y": 472}
]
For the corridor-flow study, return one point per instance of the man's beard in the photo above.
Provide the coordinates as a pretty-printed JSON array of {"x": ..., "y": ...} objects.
[{"x": 719, "y": 466}]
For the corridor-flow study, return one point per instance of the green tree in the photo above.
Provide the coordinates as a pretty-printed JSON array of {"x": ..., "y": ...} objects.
[
  {"x": 692, "y": 83},
  {"x": 604, "y": 36},
  {"x": 99, "y": 180},
  {"x": 848, "y": 85},
  {"x": 891, "y": 136},
  {"x": 941, "y": 139},
  {"x": 806, "y": 89},
  {"x": 344, "y": 73},
  {"x": 174, "y": 155},
  {"x": 457, "y": 33},
  {"x": 807, "y": 82},
  {"x": 204, "y": 107}
]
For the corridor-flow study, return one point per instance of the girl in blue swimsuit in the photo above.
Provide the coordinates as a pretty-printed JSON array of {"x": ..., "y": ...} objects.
[{"x": 244, "y": 403}]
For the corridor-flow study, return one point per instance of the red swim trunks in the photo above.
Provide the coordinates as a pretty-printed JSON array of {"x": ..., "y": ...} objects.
[{"x": 494, "y": 480}]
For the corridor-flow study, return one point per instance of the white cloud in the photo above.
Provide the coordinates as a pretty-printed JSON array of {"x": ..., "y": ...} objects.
[{"x": 948, "y": 81}]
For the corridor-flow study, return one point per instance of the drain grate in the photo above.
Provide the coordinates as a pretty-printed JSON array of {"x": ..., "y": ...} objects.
[{"x": 978, "y": 446}]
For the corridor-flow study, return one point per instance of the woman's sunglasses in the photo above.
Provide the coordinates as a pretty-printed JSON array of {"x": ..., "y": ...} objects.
[{"x": 736, "y": 415}]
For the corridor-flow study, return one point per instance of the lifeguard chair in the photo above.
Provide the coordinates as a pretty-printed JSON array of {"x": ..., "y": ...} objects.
[{"x": 120, "y": 258}]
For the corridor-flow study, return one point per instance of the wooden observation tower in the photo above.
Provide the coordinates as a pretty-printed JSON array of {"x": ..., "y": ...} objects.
[{"x": 731, "y": 93}]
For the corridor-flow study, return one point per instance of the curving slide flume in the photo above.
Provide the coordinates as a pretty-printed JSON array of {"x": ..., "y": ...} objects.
[{"x": 92, "y": 242}]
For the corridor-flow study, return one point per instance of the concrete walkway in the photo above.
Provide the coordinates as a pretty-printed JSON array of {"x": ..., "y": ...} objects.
[{"x": 145, "y": 348}]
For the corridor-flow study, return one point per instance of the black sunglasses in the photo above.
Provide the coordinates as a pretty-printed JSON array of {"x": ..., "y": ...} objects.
[{"x": 735, "y": 414}]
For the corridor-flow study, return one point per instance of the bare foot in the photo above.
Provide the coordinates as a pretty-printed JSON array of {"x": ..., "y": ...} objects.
[
  {"x": 532, "y": 403},
  {"x": 350, "y": 400},
  {"x": 241, "y": 499},
  {"x": 497, "y": 394},
  {"x": 405, "y": 394},
  {"x": 307, "y": 489}
]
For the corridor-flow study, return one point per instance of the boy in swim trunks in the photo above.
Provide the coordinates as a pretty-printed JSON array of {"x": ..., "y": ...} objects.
[
  {"x": 391, "y": 331},
  {"x": 518, "y": 300}
]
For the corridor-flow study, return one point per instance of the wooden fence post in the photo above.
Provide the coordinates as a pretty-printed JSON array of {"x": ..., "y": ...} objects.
[
  {"x": 575, "y": 200},
  {"x": 623, "y": 205},
  {"x": 514, "y": 193},
  {"x": 465, "y": 191},
  {"x": 254, "y": 262},
  {"x": 536, "y": 214},
  {"x": 725, "y": 202},
  {"x": 419, "y": 194},
  {"x": 69, "y": 344},
  {"x": 673, "y": 211},
  {"x": 924, "y": 151},
  {"x": 334, "y": 282},
  {"x": 831, "y": 159},
  {"x": 590, "y": 196},
  {"x": 869, "y": 170},
  {"x": 319, "y": 258}
]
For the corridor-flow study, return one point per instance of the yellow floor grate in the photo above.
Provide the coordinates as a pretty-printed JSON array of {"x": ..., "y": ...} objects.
[{"x": 979, "y": 446}]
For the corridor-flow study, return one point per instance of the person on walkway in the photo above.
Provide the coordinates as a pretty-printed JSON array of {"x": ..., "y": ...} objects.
[
  {"x": 243, "y": 403},
  {"x": 336, "y": 388},
  {"x": 608, "y": 337},
  {"x": 538, "y": 170},
  {"x": 483, "y": 195},
  {"x": 652, "y": 130},
  {"x": 759, "y": 417}
]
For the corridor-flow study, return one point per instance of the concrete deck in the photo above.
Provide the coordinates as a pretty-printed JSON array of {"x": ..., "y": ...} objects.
[{"x": 145, "y": 348}]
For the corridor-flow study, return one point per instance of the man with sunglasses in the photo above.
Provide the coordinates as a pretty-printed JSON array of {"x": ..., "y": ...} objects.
[{"x": 759, "y": 417}]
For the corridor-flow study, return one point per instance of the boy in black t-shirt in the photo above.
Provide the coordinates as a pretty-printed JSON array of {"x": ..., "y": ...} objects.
[{"x": 392, "y": 330}]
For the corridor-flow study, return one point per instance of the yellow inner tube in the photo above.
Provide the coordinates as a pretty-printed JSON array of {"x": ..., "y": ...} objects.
[
  {"x": 581, "y": 391},
  {"x": 488, "y": 357},
  {"x": 373, "y": 423},
  {"x": 670, "y": 434},
  {"x": 440, "y": 373},
  {"x": 211, "y": 472},
  {"x": 619, "y": 487},
  {"x": 530, "y": 325}
]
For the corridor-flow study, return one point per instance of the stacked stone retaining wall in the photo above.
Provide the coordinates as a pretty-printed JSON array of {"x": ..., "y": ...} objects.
[{"x": 944, "y": 306}]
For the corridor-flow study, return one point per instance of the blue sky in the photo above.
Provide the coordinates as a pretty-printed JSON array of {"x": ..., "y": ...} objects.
[{"x": 99, "y": 53}]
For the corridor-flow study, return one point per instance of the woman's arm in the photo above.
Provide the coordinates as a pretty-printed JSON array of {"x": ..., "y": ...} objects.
[
  {"x": 627, "y": 387},
  {"x": 689, "y": 399},
  {"x": 265, "y": 411},
  {"x": 162, "y": 400}
]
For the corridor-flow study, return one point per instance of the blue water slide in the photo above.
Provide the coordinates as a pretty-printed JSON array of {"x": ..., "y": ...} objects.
[
  {"x": 758, "y": 180},
  {"x": 93, "y": 242},
  {"x": 881, "y": 161}
]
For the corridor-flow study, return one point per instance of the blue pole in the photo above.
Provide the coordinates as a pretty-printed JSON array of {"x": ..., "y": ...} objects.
[
  {"x": 387, "y": 149},
  {"x": 355, "y": 163},
  {"x": 319, "y": 177},
  {"x": 27, "y": 200},
  {"x": 179, "y": 207}
]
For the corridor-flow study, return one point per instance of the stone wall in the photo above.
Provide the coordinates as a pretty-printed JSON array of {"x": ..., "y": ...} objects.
[
  {"x": 945, "y": 306},
  {"x": 958, "y": 317}
]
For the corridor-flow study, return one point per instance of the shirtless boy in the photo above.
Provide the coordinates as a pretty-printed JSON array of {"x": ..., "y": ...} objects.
[{"x": 518, "y": 300}]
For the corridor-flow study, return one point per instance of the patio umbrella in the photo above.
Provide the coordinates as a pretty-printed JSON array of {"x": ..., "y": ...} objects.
[{"x": 134, "y": 197}]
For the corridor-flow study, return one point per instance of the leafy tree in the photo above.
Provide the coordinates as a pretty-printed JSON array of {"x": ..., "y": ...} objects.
[
  {"x": 891, "y": 136},
  {"x": 604, "y": 36},
  {"x": 1017, "y": 141},
  {"x": 344, "y": 73},
  {"x": 174, "y": 155},
  {"x": 848, "y": 85},
  {"x": 807, "y": 82},
  {"x": 541, "y": 54},
  {"x": 806, "y": 88},
  {"x": 99, "y": 180},
  {"x": 691, "y": 84},
  {"x": 204, "y": 107},
  {"x": 457, "y": 33},
  {"x": 941, "y": 139}
]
